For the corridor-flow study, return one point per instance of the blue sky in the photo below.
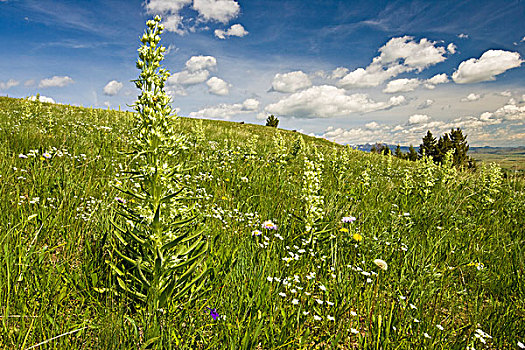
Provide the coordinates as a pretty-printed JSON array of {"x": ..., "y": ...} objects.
[{"x": 350, "y": 71}]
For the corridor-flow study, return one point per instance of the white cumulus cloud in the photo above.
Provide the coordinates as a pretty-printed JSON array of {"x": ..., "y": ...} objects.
[
  {"x": 227, "y": 111},
  {"x": 112, "y": 88},
  {"x": 197, "y": 63},
  {"x": 398, "y": 55},
  {"x": 235, "y": 30},
  {"x": 207, "y": 10},
  {"x": 438, "y": 79},
  {"x": 418, "y": 119},
  {"x": 217, "y": 10},
  {"x": 452, "y": 48},
  {"x": 169, "y": 9},
  {"x": 291, "y": 82},
  {"x": 401, "y": 85},
  {"x": 327, "y": 101},
  {"x": 218, "y": 86},
  {"x": 8, "y": 84},
  {"x": 471, "y": 97},
  {"x": 55, "y": 81},
  {"x": 197, "y": 71},
  {"x": 490, "y": 64}
]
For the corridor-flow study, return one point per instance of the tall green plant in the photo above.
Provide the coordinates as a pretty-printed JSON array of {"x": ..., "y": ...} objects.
[{"x": 158, "y": 254}]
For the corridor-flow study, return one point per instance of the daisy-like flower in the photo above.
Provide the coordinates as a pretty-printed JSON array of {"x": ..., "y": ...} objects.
[
  {"x": 330, "y": 318},
  {"x": 317, "y": 318},
  {"x": 23, "y": 156},
  {"x": 353, "y": 330},
  {"x": 282, "y": 294},
  {"x": 347, "y": 219},
  {"x": 353, "y": 313},
  {"x": 357, "y": 237},
  {"x": 319, "y": 301},
  {"x": 440, "y": 327},
  {"x": 426, "y": 335},
  {"x": 295, "y": 301},
  {"x": 256, "y": 233},
  {"x": 521, "y": 345},
  {"x": 321, "y": 287},
  {"x": 381, "y": 264},
  {"x": 269, "y": 278},
  {"x": 269, "y": 225},
  {"x": 46, "y": 155}
]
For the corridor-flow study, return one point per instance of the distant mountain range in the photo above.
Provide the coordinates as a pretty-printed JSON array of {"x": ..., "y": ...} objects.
[{"x": 473, "y": 150}]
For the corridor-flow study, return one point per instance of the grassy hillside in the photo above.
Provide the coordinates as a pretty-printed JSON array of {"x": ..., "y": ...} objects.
[{"x": 453, "y": 241}]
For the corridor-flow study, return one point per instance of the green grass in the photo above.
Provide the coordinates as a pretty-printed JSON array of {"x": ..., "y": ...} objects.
[
  {"x": 453, "y": 242},
  {"x": 513, "y": 162}
]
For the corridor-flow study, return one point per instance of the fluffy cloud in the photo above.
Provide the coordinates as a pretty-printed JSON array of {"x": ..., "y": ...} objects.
[
  {"x": 506, "y": 93},
  {"x": 488, "y": 128},
  {"x": 418, "y": 119},
  {"x": 405, "y": 85},
  {"x": 411, "y": 53},
  {"x": 208, "y": 10},
  {"x": 42, "y": 99},
  {"x": 463, "y": 36},
  {"x": 112, "y": 88},
  {"x": 326, "y": 102},
  {"x": 8, "y": 84},
  {"x": 197, "y": 71},
  {"x": 452, "y": 48},
  {"x": 55, "y": 81},
  {"x": 227, "y": 111},
  {"x": 401, "y": 85},
  {"x": 471, "y": 97},
  {"x": 197, "y": 63},
  {"x": 438, "y": 79},
  {"x": 373, "y": 75},
  {"x": 218, "y": 86},
  {"x": 291, "y": 82},
  {"x": 490, "y": 64},
  {"x": 398, "y": 55},
  {"x": 169, "y": 9},
  {"x": 188, "y": 78},
  {"x": 235, "y": 30},
  {"x": 217, "y": 10}
]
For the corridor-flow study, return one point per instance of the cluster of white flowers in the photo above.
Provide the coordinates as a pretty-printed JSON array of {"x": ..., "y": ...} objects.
[{"x": 311, "y": 192}]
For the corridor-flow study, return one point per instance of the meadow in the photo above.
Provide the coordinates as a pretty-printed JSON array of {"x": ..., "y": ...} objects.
[
  {"x": 452, "y": 240},
  {"x": 125, "y": 230}
]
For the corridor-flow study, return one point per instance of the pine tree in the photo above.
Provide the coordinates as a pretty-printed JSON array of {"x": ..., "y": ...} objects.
[
  {"x": 428, "y": 147},
  {"x": 444, "y": 145},
  {"x": 272, "y": 121},
  {"x": 399, "y": 154},
  {"x": 459, "y": 143},
  {"x": 412, "y": 154}
]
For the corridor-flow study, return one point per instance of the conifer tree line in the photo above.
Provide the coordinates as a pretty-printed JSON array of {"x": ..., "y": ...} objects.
[{"x": 435, "y": 148}]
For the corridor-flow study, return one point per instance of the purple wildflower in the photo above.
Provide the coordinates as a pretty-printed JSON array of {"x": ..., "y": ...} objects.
[
  {"x": 23, "y": 156},
  {"x": 213, "y": 313},
  {"x": 347, "y": 219}
]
